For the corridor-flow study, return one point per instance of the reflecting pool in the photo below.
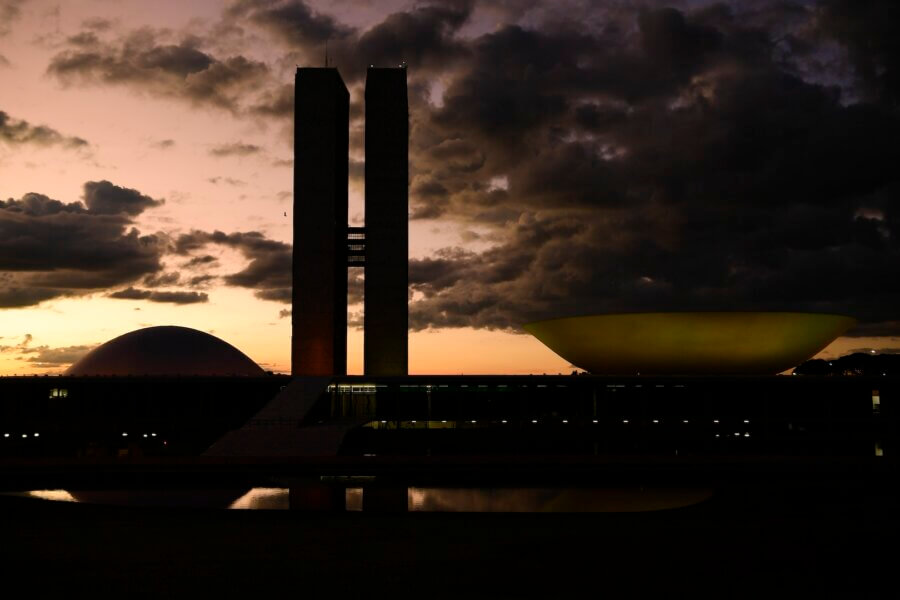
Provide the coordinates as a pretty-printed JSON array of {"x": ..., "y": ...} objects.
[{"x": 418, "y": 499}]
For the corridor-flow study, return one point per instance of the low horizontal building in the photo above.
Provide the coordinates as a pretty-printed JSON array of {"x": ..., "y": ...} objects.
[{"x": 451, "y": 415}]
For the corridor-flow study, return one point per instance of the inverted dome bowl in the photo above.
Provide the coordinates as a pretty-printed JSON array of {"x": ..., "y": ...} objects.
[{"x": 690, "y": 343}]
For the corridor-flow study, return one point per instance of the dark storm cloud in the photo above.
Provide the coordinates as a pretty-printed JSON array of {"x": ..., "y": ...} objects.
[
  {"x": 51, "y": 249},
  {"x": 187, "y": 68},
  {"x": 145, "y": 60},
  {"x": 356, "y": 170},
  {"x": 610, "y": 156},
  {"x": 673, "y": 43},
  {"x": 235, "y": 149},
  {"x": 423, "y": 36},
  {"x": 10, "y": 11},
  {"x": 84, "y": 39},
  {"x": 176, "y": 297},
  {"x": 277, "y": 102},
  {"x": 669, "y": 161},
  {"x": 355, "y": 286},
  {"x": 201, "y": 281},
  {"x": 293, "y": 21},
  {"x": 869, "y": 32},
  {"x": 281, "y": 294},
  {"x": 620, "y": 157},
  {"x": 161, "y": 279},
  {"x": 105, "y": 198},
  {"x": 20, "y": 132},
  {"x": 198, "y": 261},
  {"x": 15, "y": 293},
  {"x": 269, "y": 269},
  {"x": 500, "y": 287},
  {"x": 97, "y": 24}
]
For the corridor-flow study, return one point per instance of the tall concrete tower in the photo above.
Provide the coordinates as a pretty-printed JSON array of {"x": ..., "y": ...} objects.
[
  {"x": 385, "y": 349},
  {"x": 321, "y": 130}
]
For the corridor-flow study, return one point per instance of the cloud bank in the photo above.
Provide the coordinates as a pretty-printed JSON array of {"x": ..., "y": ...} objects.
[
  {"x": 17, "y": 132},
  {"x": 605, "y": 156},
  {"x": 51, "y": 249}
]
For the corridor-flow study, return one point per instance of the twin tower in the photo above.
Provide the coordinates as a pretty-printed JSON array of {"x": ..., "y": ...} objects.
[{"x": 325, "y": 246}]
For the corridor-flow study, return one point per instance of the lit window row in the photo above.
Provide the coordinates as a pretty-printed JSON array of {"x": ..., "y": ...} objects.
[
  {"x": 394, "y": 423},
  {"x": 363, "y": 388},
  {"x": 535, "y": 421}
]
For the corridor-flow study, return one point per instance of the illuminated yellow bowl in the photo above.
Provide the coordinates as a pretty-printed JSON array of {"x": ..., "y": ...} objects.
[{"x": 690, "y": 343}]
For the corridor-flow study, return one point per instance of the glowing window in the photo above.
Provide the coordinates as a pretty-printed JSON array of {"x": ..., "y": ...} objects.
[{"x": 353, "y": 499}]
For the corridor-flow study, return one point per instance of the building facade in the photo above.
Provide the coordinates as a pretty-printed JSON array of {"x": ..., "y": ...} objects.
[
  {"x": 324, "y": 245},
  {"x": 387, "y": 223},
  {"x": 319, "y": 300}
]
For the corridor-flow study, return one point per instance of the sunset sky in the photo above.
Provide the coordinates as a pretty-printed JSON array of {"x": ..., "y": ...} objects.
[{"x": 566, "y": 157}]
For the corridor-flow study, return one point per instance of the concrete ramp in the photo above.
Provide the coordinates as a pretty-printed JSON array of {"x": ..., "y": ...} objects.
[{"x": 276, "y": 429}]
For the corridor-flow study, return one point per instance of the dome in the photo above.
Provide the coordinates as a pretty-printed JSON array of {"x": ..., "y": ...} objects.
[
  {"x": 690, "y": 343},
  {"x": 166, "y": 350}
]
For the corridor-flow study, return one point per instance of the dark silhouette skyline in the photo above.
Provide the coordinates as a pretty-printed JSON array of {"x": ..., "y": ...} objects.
[{"x": 568, "y": 158}]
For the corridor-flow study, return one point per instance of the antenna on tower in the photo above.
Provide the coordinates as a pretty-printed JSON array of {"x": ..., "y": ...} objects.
[{"x": 326, "y": 53}]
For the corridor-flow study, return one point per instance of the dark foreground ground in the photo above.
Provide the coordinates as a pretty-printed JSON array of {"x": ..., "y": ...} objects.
[{"x": 834, "y": 542}]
